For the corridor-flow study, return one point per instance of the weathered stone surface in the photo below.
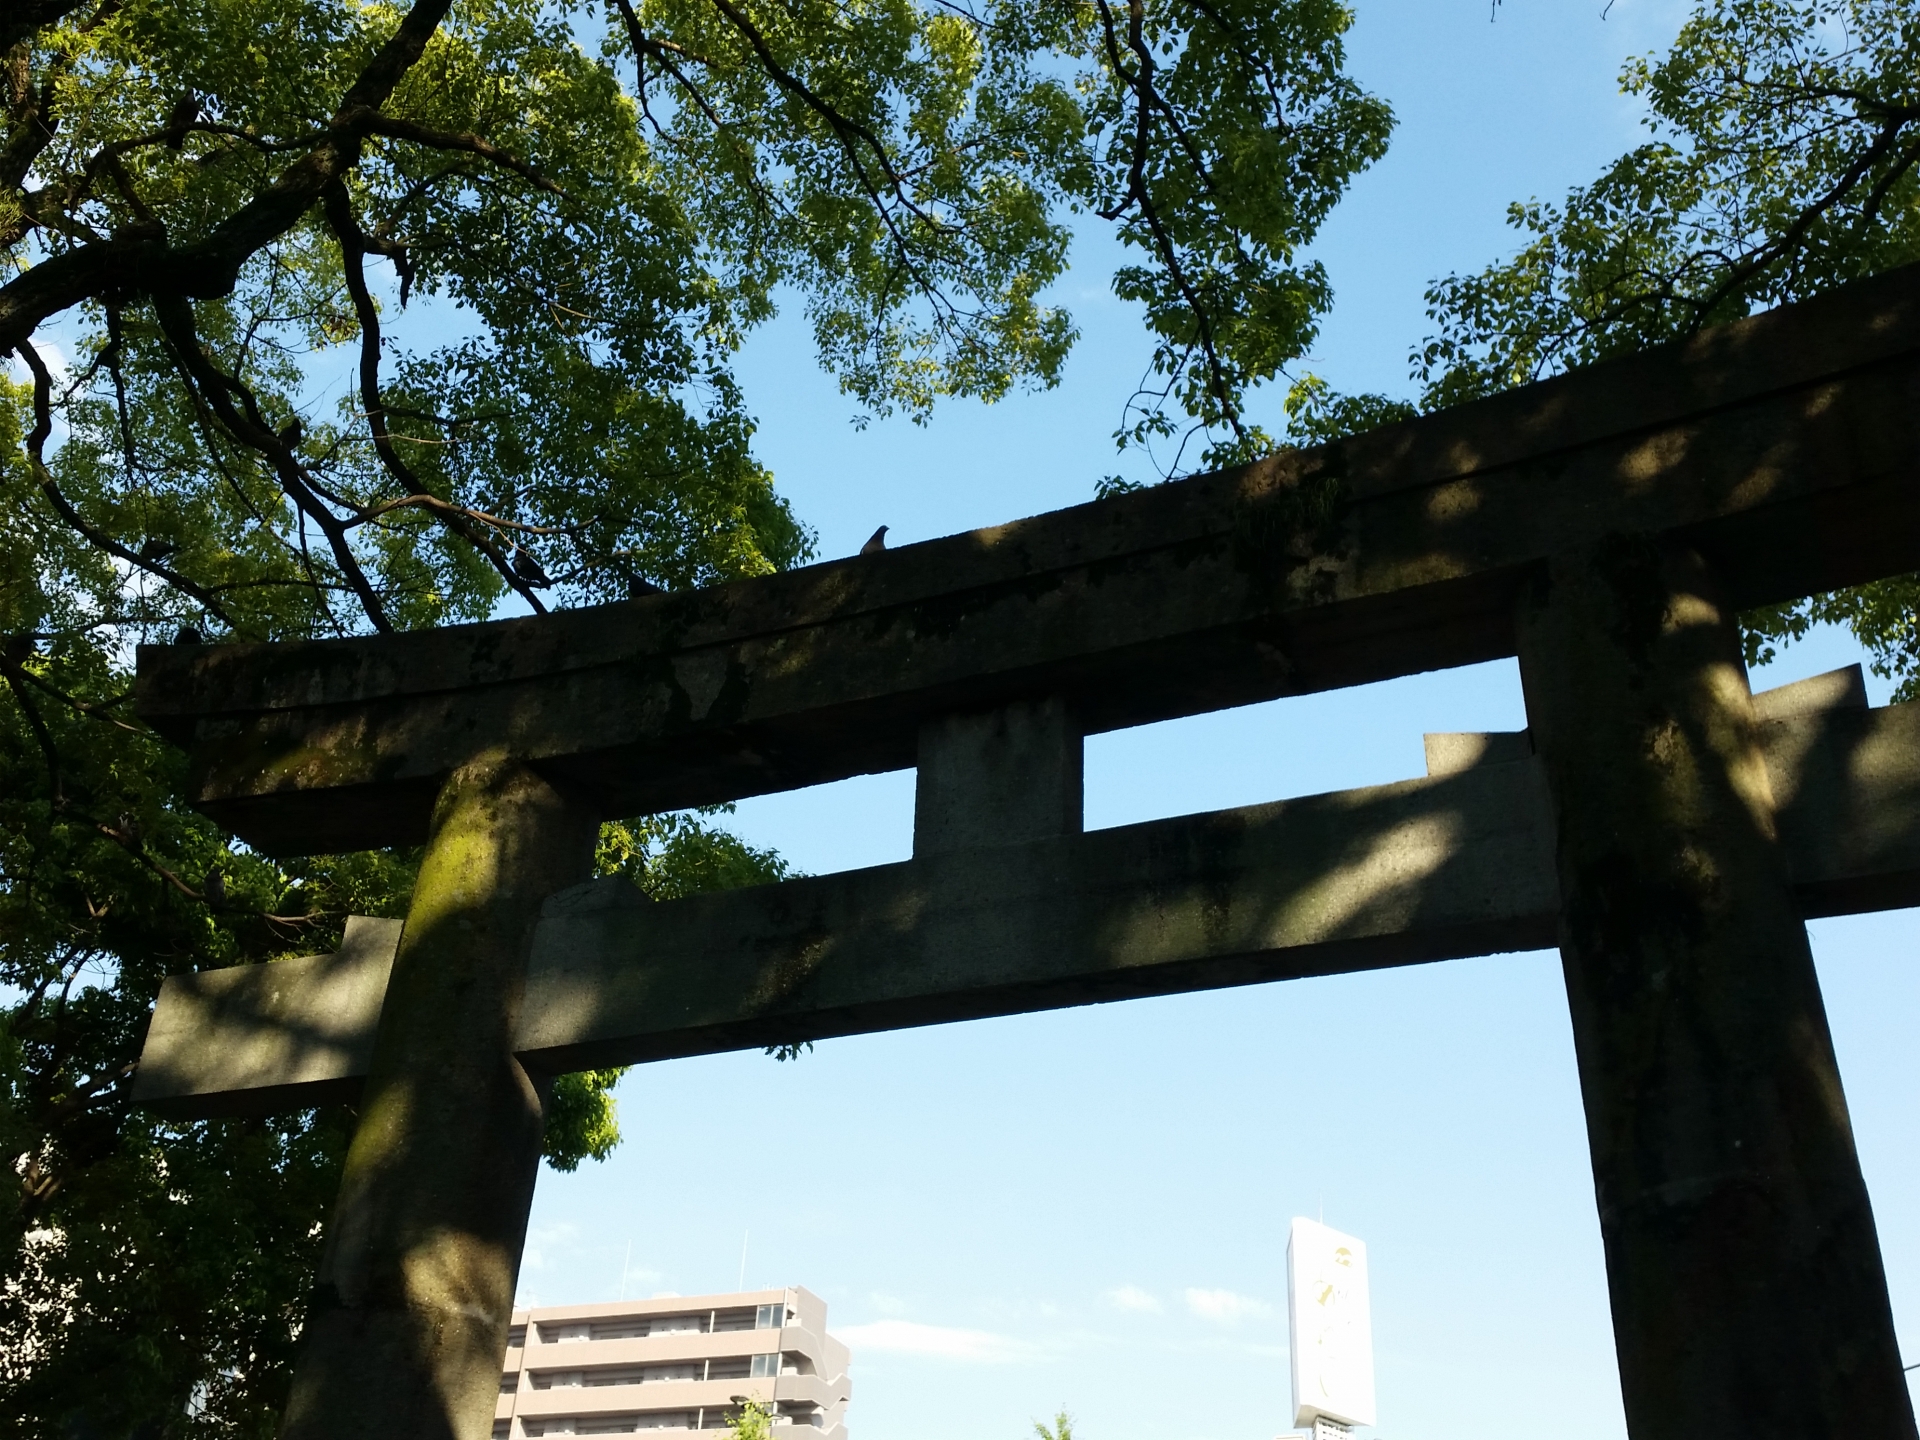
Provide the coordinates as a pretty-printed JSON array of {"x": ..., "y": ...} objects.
[
  {"x": 1392, "y": 874},
  {"x": 1848, "y": 806},
  {"x": 1845, "y": 780},
  {"x": 1449, "y": 754},
  {"x": 257, "y": 1038},
  {"x": 1786, "y": 446},
  {"x": 1396, "y": 874},
  {"x": 1744, "y": 1272},
  {"x": 997, "y": 777},
  {"x": 1842, "y": 689},
  {"x": 410, "y": 1310}
]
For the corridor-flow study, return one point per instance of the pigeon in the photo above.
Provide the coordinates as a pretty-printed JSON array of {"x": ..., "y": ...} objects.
[
  {"x": 876, "y": 542},
  {"x": 186, "y": 110},
  {"x": 214, "y": 887},
  {"x": 187, "y": 635},
  {"x": 528, "y": 569},
  {"x": 157, "y": 550},
  {"x": 639, "y": 585}
]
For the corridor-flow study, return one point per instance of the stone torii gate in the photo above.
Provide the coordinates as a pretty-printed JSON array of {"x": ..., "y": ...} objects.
[{"x": 1669, "y": 832}]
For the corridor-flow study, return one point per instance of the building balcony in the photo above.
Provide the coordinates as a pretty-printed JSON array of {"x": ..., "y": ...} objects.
[
  {"x": 657, "y": 1349},
  {"x": 504, "y": 1429}
]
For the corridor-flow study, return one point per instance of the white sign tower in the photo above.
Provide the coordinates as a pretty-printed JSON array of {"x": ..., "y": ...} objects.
[{"x": 1332, "y": 1330}]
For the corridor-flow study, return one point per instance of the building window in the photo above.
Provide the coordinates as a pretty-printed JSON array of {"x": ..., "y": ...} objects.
[
  {"x": 769, "y": 1317},
  {"x": 765, "y": 1365}
]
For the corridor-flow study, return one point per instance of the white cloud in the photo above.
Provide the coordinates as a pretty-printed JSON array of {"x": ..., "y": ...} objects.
[
  {"x": 1224, "y": 1307},
  {"x": 537, "y": 1253},
  {"x": 1132, "y": 1297},
  {"x": 906, "y": 1337}
]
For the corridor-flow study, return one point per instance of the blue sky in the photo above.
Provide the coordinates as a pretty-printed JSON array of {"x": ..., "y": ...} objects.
[{"x": 1089, "y": 1208}]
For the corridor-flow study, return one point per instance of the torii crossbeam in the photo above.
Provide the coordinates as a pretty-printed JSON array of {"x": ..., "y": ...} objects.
[{"x": 1668, "y": 833}]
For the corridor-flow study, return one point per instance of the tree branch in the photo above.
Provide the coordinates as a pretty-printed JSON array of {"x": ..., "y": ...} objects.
[
  {"x": 398, "y": 129},
  {"x": 197, "y": 369},
  {"x": 36, "y": 457},
  {"x": 15, "y": 674},
  {"x": 211, "y": 267},
  {"x": 353, "y": 251},
  {"x": 852, "y": 135},
  {"x": 92, "y": 709},
  {"x": 1139, "y": 193},
  {"x": 1740, "y": 272}
]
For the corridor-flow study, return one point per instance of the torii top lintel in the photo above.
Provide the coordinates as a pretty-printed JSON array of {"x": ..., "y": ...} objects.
[{"x": 1785, "y": 446}]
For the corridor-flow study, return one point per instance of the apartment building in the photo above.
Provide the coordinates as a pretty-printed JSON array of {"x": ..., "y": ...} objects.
[{"x": 683, "y": 1363}]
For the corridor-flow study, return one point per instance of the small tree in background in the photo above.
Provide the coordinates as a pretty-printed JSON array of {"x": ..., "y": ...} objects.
[{"x": 753, "y": 1422}]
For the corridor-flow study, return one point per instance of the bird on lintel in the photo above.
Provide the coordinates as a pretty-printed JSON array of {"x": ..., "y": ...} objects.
[
  {"x": 875, "y": 542},
  {"x": 528, "y": 569}
]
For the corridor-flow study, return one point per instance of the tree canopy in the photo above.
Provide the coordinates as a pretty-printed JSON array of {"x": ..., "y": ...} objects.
[{"x": 335, "y": 316}]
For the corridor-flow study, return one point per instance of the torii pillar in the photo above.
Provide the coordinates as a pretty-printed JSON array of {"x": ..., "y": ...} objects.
[
  {"x": 1747, "y": 1290},
  {"x": 416, "y": 1283}
]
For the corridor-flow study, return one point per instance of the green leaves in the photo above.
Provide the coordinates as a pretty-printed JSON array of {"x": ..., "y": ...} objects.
[
  {"x": 1785, "y": 139},
  {"x": 672, "y": 856},
  {"x": 149, "y": 1263},
  {"x": 581, "y": 1118},
  {"x": 1224, "y": 133},
  {"x": 587, "y": 414},
  {"x": 898, "y": 165},
  {"x": 752, "y": 1421}
]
